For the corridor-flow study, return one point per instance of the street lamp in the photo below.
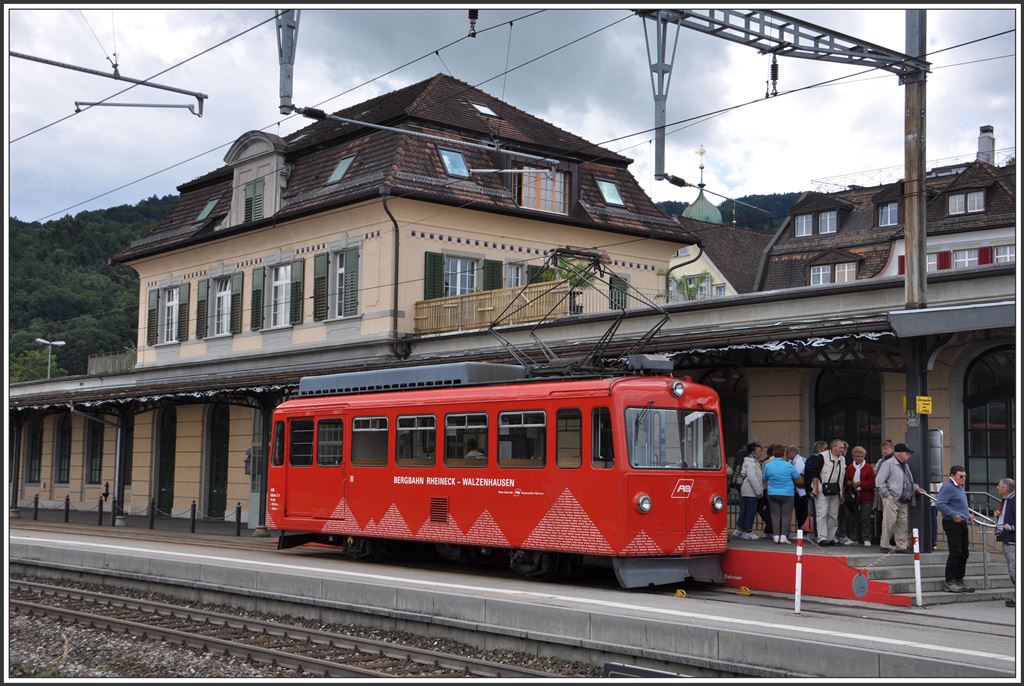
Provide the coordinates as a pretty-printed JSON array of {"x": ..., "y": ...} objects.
[{"x": 49, "y": 351}]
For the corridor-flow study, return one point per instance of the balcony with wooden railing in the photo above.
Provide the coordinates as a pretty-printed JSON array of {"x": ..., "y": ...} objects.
[{"x": 536, "y": 302}]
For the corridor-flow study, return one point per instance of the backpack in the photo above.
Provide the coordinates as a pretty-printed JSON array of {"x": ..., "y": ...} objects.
[{"x": 737, "y": 467}]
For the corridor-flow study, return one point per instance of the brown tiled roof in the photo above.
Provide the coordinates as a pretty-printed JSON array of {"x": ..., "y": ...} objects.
[
  {"x": 735, "y": 250},
  {"x": 789, "y": 257},
  {"x": 410, "y": 166}
]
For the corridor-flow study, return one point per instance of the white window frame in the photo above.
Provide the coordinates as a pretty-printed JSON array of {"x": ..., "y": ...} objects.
[
  {"x": 828, "y": 222},
  {"x": 932, "y": 260},
  {"x": 965, "y": 259},
  {"x": 515, "y": 275},
  {"x": 337, "y": 283},
  {"x": 340, "y": 169},
  {"x": 955, "y": 203},
  {"x": 483, "y": 109},
  {"x": 169, "y": 315},
  {"x": 460, "y": 275},
  {"x": 610, "y": 192},
  {"x": 821, "y": 275},
  {"x": 719, "y": 290},
  {"x": 1004, "y": 254},
  {"x": 543, "y": 190},
  {"x": 451, "y": 164},
  {"x": 281, "y": 295},
  {"x": 976, "y": 201},
  {"x": 888, "y": 214},
  {"x": 221, "y": 306},
  {"x": 803, "y": 225},
  {"x": 844, "y": 272}
]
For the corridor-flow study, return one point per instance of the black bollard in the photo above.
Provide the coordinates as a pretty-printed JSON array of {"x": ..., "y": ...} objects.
[
  {"x": 67, "y": 508},
  {"x": 100, "y": 523},
  {"x": 35, "y": 507},
  {"x": 193, "y": 524},
  {"x": 238, "y": 519},
  {"x": 152, "y": 514}
]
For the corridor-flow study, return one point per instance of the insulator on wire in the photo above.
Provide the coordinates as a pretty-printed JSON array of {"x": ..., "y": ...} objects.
[
  {"x": 473, "y": 16},
  {"x": 774, "y": 72}
]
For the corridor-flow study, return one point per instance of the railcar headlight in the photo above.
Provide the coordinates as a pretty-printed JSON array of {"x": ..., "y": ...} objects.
[
  {"x": 717, "y": 503},
  {"x": 643, "y": 503},
  {"x": 678, "y": 388}
]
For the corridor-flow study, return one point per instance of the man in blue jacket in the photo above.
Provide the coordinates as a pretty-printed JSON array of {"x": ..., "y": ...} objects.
[
  {"x": 952, "y": 503},
  {"x": 1006, "y": 530}
]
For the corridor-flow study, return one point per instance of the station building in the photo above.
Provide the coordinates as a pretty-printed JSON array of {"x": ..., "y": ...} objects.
[{"x": 344, "y": 247}]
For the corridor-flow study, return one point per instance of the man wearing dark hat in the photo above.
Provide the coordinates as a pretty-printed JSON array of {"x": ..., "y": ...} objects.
[{"x": 896, "y": 485}]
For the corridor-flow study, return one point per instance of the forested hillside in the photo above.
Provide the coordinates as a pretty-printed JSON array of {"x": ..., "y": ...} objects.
[
  {"x": 63, "y": 287},
  {"x": 777, "y": 204}
]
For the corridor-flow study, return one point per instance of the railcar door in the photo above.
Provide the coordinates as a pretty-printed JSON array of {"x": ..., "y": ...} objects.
[
  {"x": 301, "y": 479},
  {"x": 328, "y": 493}
]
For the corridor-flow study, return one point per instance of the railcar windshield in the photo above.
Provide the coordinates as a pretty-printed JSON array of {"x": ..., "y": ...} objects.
[{"x": 673, "y": 439}]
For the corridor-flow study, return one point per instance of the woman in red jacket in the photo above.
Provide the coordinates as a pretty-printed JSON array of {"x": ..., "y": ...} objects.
[{"x": 860, "y": 479}]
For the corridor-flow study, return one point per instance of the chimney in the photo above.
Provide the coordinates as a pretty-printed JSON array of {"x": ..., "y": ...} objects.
[{"x": 987, "y": 144}]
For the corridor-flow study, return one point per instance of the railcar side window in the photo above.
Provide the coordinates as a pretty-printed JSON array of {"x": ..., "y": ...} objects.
[
  {"x": 328, "y": 442},
  {"x": 300, "y": 443},
  {"x": 370, "y": 441},
  {"x": 465, "y": 440},
  {"x": 672, "y": 439},
  {"x": 569, "y": 439},
  {"x": 416, "y": 441},
  {"x": 277, "y": 457},
  {"x": 602, "y": 448},
  {"x": 522, "y": 438}
]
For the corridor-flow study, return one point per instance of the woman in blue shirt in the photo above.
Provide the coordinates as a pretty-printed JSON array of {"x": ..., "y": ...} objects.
[{"x": 779, "y": 477}]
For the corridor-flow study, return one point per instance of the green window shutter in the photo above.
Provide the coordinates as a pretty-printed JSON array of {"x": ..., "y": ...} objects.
[
  {"x": 256, "y": 318},
  {"x": 257, "y": 203},
  {"x": 250, "y": 190},
  {"x": 152, "y": 320},
  {"x": 433, "y": 275},
  {"x": 236, "y": 303},
  {"x": 351, "y": 305},
  {"x": 321, "y": 278},
  {"x": 201, "y": 307},
  {"x": 183, "y": 312},
  {"x": 297, "y": 296},
  {"x": 617, "y": 287},
  {"x": 492, "y": 274}
]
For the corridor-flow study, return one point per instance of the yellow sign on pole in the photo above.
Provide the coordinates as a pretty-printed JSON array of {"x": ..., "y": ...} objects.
[{"x": 924, "y": 404}]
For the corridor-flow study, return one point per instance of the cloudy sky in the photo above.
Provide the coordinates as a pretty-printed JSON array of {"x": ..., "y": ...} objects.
[{"x": 596, "y": 86}]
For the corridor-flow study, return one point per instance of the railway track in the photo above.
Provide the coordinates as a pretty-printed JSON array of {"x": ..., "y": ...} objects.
[{"x": 314, "y": 652}]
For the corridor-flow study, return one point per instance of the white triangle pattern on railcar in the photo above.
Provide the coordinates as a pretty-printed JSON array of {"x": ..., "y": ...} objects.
[
  {"x": 567, "y": 526},
  {"x": 391, "y": 525},
  {"x": 702, "y": 538},
  {"x": 642, "y": 544},
  {"x": 341, "y": 520},
  {"x": 440, "y": 531},
  {"x": 485, "y": 531}
]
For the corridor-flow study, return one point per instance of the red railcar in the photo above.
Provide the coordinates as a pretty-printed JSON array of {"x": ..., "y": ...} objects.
[{"x": 624, "y": 471}]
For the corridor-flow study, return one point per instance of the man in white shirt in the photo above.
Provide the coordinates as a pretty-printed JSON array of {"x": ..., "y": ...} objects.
[{"x": 826, "y": 505}]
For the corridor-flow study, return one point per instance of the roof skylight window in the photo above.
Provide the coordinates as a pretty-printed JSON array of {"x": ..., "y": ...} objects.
[
  {"x": 610, "y": 191},
  {"x": 209, "y": 208},
  {"x": 339, "y": 171},
  {"x": 454, "y": 162},
  {"x": 484, "y": 109}
]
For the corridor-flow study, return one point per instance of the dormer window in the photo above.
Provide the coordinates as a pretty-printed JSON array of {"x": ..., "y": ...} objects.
[
  {"x": 483, "y": 109},
  {"x": 209, "y": 208},
  {"x": 887, "y": 214},
  {"x": 825, "y": 274},
  {"x": 542, "y": 189},
  {"x": 803, "y": 225},
  {"x": 976, "y": 201},
  {"x": 454, "y": 163},
  {"x": 610, "y": 192},
  {"x": 340, "y": 169},
  {"x": 956, "y": 203},
  {"x": 827, "y": 222},
  {"x": 253, "y": 201}
]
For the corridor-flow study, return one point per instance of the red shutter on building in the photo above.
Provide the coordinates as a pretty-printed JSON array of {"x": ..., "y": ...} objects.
[
  {"x": 985, "y": 255},
  {"x": 902, "y": 260},
  {"x": 945, "y": 259}
]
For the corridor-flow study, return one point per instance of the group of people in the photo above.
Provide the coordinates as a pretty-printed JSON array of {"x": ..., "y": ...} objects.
[{"x": 836, "y": 501}]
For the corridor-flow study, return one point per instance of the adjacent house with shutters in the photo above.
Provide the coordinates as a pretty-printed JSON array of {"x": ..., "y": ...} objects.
[{"x": 857, "y": 233}]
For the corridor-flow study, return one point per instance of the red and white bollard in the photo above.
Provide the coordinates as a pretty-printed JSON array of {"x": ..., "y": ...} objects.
[
  {"x": 799, "y": 567},
  {"x": 917, "y": 569}
]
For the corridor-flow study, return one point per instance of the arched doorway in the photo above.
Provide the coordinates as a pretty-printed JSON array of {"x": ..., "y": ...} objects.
[
  {"x": 218, "y": 430},
  {"x": 731, "y": 387},
  {"x": 848, "y": 405},
  {"x": 989, "y": 415},
  {"x": 166, "y": 444}
]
